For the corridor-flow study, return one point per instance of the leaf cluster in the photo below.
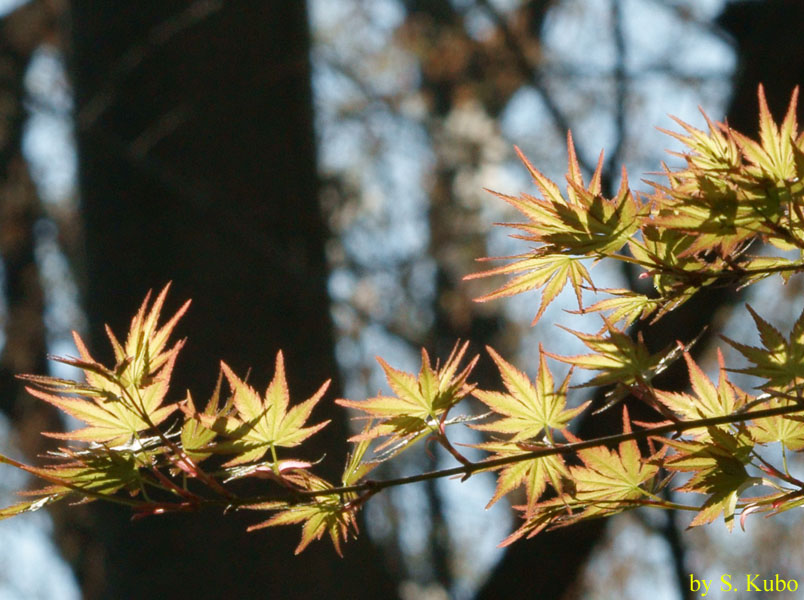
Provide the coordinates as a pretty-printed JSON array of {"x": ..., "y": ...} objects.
[{"x": 157, "y": 456}]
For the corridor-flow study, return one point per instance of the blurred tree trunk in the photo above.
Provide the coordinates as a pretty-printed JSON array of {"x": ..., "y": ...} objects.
[
  {"x": 770, "y": 50},
  {"x": 197, "y": 166},
  {"x": 24, "y": 348}
]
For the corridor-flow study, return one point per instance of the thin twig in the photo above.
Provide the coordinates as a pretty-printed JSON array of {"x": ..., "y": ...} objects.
[{"x": 572, "y": 448}]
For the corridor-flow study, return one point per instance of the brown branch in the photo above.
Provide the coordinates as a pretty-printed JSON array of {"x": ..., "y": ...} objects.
[{"x": 374, "y": 486}]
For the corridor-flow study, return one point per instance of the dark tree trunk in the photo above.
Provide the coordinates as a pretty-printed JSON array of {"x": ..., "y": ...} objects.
[
  {"x": 770, "y": 49},
  {"x": 197, "y": 166},
  {"x": 24, "y": 347}
]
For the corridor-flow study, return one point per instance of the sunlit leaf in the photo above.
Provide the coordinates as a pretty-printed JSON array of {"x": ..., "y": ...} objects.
[
  {"x": 260, "y": 425},
  {"x": 420, "y": 404}
]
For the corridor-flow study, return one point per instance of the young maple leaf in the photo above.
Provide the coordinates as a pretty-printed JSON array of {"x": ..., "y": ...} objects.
[
  {"x": 774, "y": 157},
  {"x": 781, "y": 361},
  {"x": 195, "y": 437},
  {"x": 785, "y": 429},
  {"x": 333, "y": 514},
  {"x": 548, "y": 271},
  {"x": 626, "y": 306},
  {"x": 704, "y": 200},
  {"x": 619, "y": 358},
  {"x": 533, "y": 473},
  {"x": 89, "y": 475},
  {"x": 421, "y": 403},
  {"x": 622, "y": 361},
  {"x": 708, "y": 401},
  {"x": 718, "y": 466},
  {"x": 609, "y": 476},
  {"x": 608, "y": 482},
  {"x": 118, "y": 404},
  {"x": 262, "y": 424},
  {"x": 715, "y": 219},
  {"x": 328, "y": 514},
  {"x": 583, "y": 225},
  {"x": 529, "y": 411},
  {"x": 677, "y": 273}
]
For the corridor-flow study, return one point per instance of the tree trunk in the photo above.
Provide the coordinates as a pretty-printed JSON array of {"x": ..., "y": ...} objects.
[
  {"x": 770, "y": 51},
  {"x": 197, "y": 166}
]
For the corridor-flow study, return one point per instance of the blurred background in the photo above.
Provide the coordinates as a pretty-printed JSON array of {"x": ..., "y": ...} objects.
[{"x": 312, "y": 175}]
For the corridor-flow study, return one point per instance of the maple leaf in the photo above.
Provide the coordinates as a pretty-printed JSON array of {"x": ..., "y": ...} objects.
[
  {"x": 90, "y": 474},
  {"x": 533, "y": 473},
  {"x": 609, "y": 476},
  {"x": 118, "y": 404},
  {"x": 708, "y": 401},
  {"x": 773, "y": 157},
  {"x": 421, "y": 403},
  {"x": 548, "y": 271},
  {"x": 707, "y": 199},
  {"x": 785, "y": 429},
  {"x": 585, "y": 224},
  {"x": 529, "y": 411},
  {"x": 98, "y": 471},
  {"x": 332, "y": 514},
  {"x": 718, "y": 466},
  {"x": 677, "y": 272},
  {"x": 44, "y": 500},
  {"x": 196, "y": 438},
  {"x": 260, "y": 425},
  {"x": 608, "y": 482},
  {"x": 757, "y": 268},
  {"x": 328, "y": 514},
  {"x": 715, "y": 217},
  {"x": 626, "y": 306},
  {"x": 622, "y": 361},
  {"x": 781, "y": 361}
]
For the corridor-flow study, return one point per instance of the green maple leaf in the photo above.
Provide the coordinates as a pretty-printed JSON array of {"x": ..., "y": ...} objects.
[
  {"x": 608, "y": 482},
  {"x": 420, "y": 404},
  {"x": 529, "y": 411},
  {"x": 118, "y": 404},
  {"x": 620, "y": 360},
  {"x": 260, "y": 425},
  {"x": 704, "y": 199},
  {"x": 708, "y": 401},
  {"x": 327, "y": 515},
  {"x": 333, "y": 515},
  {"x": 626, "y": 306},
  {"x": 677, "y": 271},
  {"x": 551, "y": 272},
  {"x": 785, "y": 429},
  {"x": 196, "y": 438},
  {"x": 534, "y": 473},
  {"x": 89, "y": 474},
  {"x": 718, "y": 466},
  {"x": 610, "y": 476},
  {"x": 780, "y": 361},
  {"x": 716, "y": 217},
  {"x": 582, "y": 225},
  {"x": 773, "y": 157}
]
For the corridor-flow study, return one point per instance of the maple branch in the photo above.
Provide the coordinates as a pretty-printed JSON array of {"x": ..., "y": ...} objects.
[{"x": 467, "y": 470}]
